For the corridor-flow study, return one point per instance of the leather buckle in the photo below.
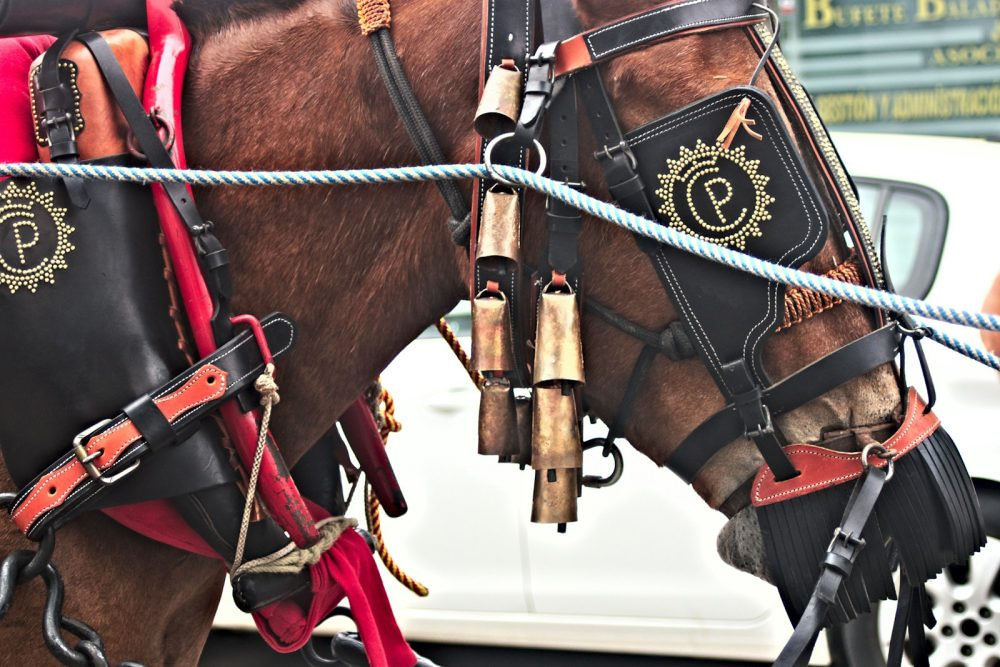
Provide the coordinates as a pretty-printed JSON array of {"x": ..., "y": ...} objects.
[
  {"x": 608, "y": 152},
  {"x": 765, "y": 427},
  {"x": 87, "y": 458},
  {"x": 852, "y": 545}
]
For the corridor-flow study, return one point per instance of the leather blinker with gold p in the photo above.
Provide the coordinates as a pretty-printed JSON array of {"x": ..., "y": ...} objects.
[{"x": 724, "y": 169}]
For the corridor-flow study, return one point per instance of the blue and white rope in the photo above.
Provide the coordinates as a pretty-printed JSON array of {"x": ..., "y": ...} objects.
[{"x": 737, "y": 260}]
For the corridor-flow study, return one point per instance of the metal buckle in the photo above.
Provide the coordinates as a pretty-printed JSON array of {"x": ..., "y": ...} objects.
[
  {"x": 623, "y": 148},
  {"x": 762, "y": 429},
  {"x": 851, "y": 542},
  {"x": 87, "y": 458}
]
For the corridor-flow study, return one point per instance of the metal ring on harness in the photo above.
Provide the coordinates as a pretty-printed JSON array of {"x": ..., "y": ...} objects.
[
  {"x": 887, "y": 455},
  {"x": 597, "y": 482},
  {"x": 488, "y": 158},
  {"x": 163, "y": 128}
]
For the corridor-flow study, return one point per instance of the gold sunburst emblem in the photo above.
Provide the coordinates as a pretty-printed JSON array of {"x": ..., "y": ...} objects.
[
  {"x": 715, "y": 193},
  {"x": 34, "y": 237}
]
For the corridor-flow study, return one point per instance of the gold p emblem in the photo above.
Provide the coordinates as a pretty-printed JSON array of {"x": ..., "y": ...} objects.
[
  {"x": 34, "y": 237},
  {"x": 715, "y": 193}
]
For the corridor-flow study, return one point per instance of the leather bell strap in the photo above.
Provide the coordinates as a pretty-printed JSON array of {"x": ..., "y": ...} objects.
[
  {"x": 856, "y": 358},
  {"x": 148, "y": 423},
  {"x": 669, "y": 20},
  {"x": 820, "y": 468}
]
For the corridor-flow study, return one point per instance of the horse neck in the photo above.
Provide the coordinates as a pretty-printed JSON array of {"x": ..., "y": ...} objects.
[{"x": 362, "y": 269}]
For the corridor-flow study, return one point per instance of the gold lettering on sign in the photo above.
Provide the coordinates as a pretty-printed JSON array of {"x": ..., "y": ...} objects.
[
  {"x": 34, "y": 237},
  {"x": 822, "y": 14}
]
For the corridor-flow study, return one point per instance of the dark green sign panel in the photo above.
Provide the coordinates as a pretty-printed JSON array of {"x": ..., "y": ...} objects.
[{"x": 906, "y": 65}]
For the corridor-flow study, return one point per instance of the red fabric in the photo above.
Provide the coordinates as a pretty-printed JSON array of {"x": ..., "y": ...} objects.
[
  {"x": 17, "y": 138},
  {"x": 347, "y": 568}
]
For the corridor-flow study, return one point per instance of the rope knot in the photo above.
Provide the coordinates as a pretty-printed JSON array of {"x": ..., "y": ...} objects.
[{"x": 267, "y": 387}]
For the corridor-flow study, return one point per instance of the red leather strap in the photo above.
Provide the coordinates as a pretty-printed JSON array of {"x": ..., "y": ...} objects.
[
  {"x": 822, "y": 468},
  {"x": 51, "y": 490}
]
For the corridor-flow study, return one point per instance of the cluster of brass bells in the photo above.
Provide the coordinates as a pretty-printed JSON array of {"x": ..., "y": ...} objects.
[{"x": 542, "y": 431}]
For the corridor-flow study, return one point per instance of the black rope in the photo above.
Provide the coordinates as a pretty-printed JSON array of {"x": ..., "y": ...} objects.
[{"x": 419, "y": 130}]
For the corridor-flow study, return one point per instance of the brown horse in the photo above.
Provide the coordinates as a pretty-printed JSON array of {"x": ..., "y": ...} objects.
[{"x": 364, "y": 270}]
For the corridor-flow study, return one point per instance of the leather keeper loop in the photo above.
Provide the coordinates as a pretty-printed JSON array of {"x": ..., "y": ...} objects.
[{"x": 154, "y": 427}]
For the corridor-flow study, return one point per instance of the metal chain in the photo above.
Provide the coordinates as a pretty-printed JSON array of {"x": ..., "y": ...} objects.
[{"x": 22, "y": 566}]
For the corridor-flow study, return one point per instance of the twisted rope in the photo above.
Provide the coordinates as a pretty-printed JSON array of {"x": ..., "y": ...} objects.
[
  {"x": 291, "y": 559},
  {"x": 456, "y": 346},
  {"x": 384, "y": 409},
  {"x": 835, "y": 288},
  {"x": 268, "y": 390},
  {"x": 803, "y": 304}
]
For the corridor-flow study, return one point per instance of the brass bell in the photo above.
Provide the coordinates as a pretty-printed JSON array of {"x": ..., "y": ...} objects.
[
  {"x": 522, "y": 406},
  {"x": 498, "y": 432},
  {"x": 500, "y": 225},
  {"x": 554, "y": 497},
  {"x": 500, "y": 104},
  {"x": 555, "y": 430},
  {"x": 492, "y": 347},
  {"x": 558, "y": 348}
]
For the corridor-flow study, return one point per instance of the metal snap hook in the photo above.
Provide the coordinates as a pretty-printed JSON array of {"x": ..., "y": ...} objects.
[{"x": 488, "y": 158}]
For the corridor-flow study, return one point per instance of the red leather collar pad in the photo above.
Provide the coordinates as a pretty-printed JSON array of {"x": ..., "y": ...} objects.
[{"x": 821, "y": 468}]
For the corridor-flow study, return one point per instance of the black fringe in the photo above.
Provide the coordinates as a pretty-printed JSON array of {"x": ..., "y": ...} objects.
[{"x": 927, "y": 517}]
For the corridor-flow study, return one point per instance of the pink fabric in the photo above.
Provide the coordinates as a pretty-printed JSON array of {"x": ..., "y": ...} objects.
[
  {"x": 17, "y": 135},
  {"x": 347, "y": 568}
]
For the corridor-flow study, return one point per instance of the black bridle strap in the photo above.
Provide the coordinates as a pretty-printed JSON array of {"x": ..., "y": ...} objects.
[
  {"x": 639, "y": 30},
  {"x": 856, "y": 358},
  {"x": 211, "y": 253},
  {"x": 837, "y": 566},
  {"x": 418, "y": 128},
  {"x": 673, "y": 341}
]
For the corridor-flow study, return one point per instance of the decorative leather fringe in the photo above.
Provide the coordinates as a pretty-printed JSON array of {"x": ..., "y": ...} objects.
[
  {"x": 930, "y": 509},
  {"x": 928, "y": 517}
]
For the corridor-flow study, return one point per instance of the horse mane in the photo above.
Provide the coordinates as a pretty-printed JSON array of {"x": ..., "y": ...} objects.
[{"x": 204, "y": 17}]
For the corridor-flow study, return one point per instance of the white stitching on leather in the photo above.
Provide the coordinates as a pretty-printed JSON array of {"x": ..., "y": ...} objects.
[
  {"x": 49, "y": 479},
  {"x": 646, "y": 16}
]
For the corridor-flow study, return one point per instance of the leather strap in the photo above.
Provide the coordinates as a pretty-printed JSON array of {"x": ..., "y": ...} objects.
[
  {"x": 836, "y": 568},
  {"x": 119, "y": 443},
  {"x": 211, "y": 253},
  {"x": 822, "y": 468},
  {"x": 854, "y": 359},
  {"x": 668, "y": 20}
]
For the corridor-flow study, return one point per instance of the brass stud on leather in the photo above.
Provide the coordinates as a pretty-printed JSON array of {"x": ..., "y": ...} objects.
[
  {"x": 554, "y": 497},
  {"x": 558, "y": 347},
  {"x": 491, "y": 336},
  {"x": 555, "y": 431},
  {"x": 498, "y": 431},
  {"x": 500, "y": 103},
  {"x": 500, "y": 225}
]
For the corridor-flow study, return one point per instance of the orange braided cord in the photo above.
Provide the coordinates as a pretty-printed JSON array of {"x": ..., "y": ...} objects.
[
  {"x": 373, "y": 15},
  {"x": 372, "y": 511},
  {"x": 385, "y": 409},
  {"x": 802, "y": 304},
  {"x": 456, "y": 346}
]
